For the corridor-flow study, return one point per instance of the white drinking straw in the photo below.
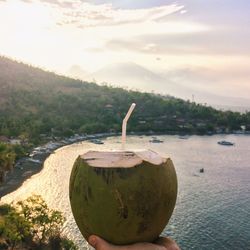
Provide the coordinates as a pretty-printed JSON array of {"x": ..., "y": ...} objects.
[{"x": 124, "y": 125}]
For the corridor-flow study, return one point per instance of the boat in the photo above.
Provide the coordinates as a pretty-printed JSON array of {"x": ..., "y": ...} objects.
[
  {"x": 34, "y": 160},
  {"x": 183, "y": 137},
  {"x": 96, "y": 141},
  {"x": 155, "y": 140},
  {"x": 226, "y": 143}
]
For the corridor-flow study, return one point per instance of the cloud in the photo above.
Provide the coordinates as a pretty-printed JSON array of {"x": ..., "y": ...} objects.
[
  {"x": 62, "y": 4},
  {"x": 55, "y": 3},
  {"x": 220, "y": 41},
  {"x": 131, "y": 4},
  {"x": 85, "y": 14}
]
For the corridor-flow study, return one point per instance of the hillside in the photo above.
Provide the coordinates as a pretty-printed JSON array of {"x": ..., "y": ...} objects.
[
  {"x": 34, "y": 103},
  {"x": 134, "y": 76}
]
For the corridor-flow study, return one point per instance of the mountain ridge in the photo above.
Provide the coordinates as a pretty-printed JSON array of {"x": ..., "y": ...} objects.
[
  {"x": 35, "y": 102},
  {"x": 179, "y": 83}
]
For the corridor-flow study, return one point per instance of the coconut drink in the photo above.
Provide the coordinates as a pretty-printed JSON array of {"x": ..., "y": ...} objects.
[{"x": 124, "y": 196}]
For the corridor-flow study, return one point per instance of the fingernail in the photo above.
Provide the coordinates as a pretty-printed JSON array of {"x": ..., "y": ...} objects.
[{"x": 92, "y": 240}]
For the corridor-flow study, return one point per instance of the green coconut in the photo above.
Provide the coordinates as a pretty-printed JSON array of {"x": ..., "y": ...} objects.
[{"x": 124, "y": 197}]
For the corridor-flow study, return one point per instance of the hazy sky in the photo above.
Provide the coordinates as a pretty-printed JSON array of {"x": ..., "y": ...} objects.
[{"x": 202, "y": 44}]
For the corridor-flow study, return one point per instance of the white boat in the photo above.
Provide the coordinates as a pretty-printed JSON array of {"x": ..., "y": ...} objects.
[{"x": 34, "y": 160}]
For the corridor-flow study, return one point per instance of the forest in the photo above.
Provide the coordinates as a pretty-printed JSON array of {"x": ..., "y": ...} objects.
[
  {"x": 35, "y": 102},
  {"x": 36, "y": 106}
]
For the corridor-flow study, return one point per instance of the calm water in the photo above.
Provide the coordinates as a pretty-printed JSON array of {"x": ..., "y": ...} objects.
[{"x": 213, "y": 208}]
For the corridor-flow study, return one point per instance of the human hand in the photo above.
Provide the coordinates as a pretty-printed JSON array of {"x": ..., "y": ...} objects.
[{"x": 162, "y": 243}]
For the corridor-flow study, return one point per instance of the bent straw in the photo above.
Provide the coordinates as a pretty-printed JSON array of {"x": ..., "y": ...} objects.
[{"x": 124, "y": 125}]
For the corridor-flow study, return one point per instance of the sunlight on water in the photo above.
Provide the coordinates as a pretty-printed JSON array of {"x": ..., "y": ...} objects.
[{"x": 213, "y": 208}]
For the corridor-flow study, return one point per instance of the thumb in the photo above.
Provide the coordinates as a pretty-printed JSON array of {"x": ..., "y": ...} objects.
[
  {"x": 168, "y": 243},
  {"x": 98, "y": 243}
]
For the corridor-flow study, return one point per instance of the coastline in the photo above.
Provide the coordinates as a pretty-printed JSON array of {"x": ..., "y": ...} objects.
[{"x": 29, "y": 166}]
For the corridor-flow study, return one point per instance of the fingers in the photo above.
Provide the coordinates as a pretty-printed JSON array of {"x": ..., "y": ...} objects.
[
  {"x": 168, "y": 243},
  {"x": 100, "y": 244},
  {"x": 161, "y": 244}
]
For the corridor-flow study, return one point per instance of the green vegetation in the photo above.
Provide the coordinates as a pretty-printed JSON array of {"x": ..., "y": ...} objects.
[
  {"x": 36, "y": 103},
  {"x": 8, "y": 155},
  {"x": 7, "y": 159},
  {"x": 37, "y": 106},
  {"x": 30, "y": 224}
]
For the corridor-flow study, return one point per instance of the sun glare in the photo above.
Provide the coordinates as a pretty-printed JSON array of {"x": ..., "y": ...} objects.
[{"x": 21, "y": 15}]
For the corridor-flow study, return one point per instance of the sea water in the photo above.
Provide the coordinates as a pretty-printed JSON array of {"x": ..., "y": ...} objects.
[{"x": 213, "y": 208}]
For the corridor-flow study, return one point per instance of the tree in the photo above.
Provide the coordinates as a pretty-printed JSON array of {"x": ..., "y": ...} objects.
[
  {"x": 7, "y": 158},
  {"x": 46, "y": 223},
  {"x": 14, "y": 227},
  {"x": 31, "y": 224}
]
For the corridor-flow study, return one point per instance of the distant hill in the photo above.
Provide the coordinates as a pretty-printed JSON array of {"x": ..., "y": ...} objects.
[
  {"x": 77, "y": 72},
  {"x": 134, "y": 76},
  {"x": 182, "y": 83},
  {"x": 34, "y": 103},
  {"x": 127, "y": 74}
]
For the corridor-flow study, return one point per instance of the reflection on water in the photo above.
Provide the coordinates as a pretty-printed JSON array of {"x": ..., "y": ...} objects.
[{"x": 213, "y": 208}]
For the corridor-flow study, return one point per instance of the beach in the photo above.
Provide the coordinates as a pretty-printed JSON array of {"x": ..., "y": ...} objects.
[{"x": 28, "y": 166}]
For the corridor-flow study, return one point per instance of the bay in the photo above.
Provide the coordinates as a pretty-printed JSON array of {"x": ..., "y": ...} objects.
[{"x": 213, "y": 208}]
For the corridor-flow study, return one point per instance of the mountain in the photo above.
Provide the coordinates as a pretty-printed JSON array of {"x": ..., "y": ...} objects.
[
  {"x": 127, "y": 74},
  {"x": 182, "y": 83},
  {"x": 77, "y": 72},
  {"x": 134, "y": 76},
  {"x": 36, "y": 103}
]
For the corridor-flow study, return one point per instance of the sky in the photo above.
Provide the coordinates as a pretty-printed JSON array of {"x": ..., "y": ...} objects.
[{"x": 199, "y": 48}]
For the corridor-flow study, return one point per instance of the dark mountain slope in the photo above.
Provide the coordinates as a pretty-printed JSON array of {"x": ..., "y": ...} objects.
[{"x": 35, "y": 102}]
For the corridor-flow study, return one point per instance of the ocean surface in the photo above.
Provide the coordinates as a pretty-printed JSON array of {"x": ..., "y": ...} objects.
[{"x": 213, "y": 208}]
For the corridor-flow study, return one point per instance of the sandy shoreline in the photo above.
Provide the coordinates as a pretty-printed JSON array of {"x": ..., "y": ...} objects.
[{"x": 25, "y": 168}]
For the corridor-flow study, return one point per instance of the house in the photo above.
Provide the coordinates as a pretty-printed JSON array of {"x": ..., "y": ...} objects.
[
  {"x": 200, "y": 124},
  {"x": 243, "y": 127},
  {"x": 108, "y": 106},
  {"x": 15, "y": 141}
]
